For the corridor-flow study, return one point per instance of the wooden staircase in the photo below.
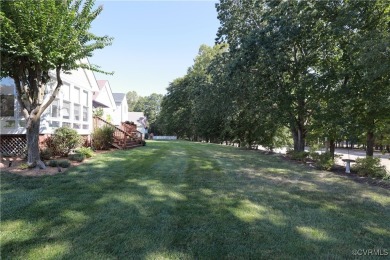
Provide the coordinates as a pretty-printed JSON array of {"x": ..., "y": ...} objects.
[{"x": 126, "y": 137}]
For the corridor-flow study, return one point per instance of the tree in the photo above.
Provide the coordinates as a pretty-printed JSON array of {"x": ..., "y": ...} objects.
[
  {"x": 132, "y": 98},
  {"x": 40, "y": 36},
  {"x": 280, "y": 40},
  {"x": 151, "y": 106}
]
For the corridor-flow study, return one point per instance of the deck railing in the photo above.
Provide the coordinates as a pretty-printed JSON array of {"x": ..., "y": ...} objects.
[{"x": 120, "y": 135}]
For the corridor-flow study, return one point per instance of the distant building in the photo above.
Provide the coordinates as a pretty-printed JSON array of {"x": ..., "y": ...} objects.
[
  {"x": 120, "y": 113},
  {"x": 140, "y": 120}
]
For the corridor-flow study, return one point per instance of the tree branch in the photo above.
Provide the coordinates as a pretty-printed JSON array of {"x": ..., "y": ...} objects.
[{"x": 55, "y": 91}]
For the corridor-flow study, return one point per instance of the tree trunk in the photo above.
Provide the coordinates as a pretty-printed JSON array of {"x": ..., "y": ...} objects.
[
  {"x": 33, "y": 156},
  {"x": 332, "y": 146},
  {"x": 370, "y": 143},
  {"x": 299, "y": 139}
]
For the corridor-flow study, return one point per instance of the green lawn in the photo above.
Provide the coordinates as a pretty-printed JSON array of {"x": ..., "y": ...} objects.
[{"x": 182, "y": 200}]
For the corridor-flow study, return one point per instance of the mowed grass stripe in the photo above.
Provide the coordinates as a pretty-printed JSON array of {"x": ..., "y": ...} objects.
[{"x": 182, "y": 200}]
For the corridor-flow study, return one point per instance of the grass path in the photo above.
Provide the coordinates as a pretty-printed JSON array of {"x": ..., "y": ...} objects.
[{"x": 181, "y": 200}]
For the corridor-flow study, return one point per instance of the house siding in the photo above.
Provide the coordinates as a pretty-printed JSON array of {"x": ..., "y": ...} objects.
[{"x": 72, "y": 107}]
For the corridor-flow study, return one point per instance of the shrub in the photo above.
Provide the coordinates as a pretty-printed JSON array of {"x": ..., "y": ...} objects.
[
  {"x": 78, "y": 157},
  {"x": 60, "y": 163},
  {"x": 52, "y": 163},
  {"x": 64, "y": 163},
  {"x": 298, "y": 156},
  {"x": 46, "y": 154},
  {"x": 23, "y": 166},
  {"x": 98, "y": 112},
  {"x": 370, "y": 166},
  {"x": 86, "y": 151},
  {"x": 323, "y": 161},
  {"x": 65, "y": 139},
  {"x": 103, "y": 137}
]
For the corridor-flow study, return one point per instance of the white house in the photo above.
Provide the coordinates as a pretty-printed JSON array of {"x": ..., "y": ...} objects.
[
  {"x": 121, "y": 110},
  {"x": 104, "y": 99},
  {"x": 140, "y": 120},
  {"x": 72, "y": 107}
]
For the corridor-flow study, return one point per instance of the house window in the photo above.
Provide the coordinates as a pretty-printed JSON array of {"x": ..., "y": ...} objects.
[
  {"x": 54, "y": 108},
  {"x": 22, "y": 123},
  {"x": 65, "y": 91},
  {"x": 66, "y": 110},
  {"x": 65, "y": 124},
  {"x": 76, "y": 95},
  {"x": 9, "y": 124},
  {"x": 7, "y": 103},
  {"x": 76, "y": 126},
  {"x": 54, "y": 124},
  {"x": 84, "y": 98},
  {"x": 85, "y": 127},
  {"x": 85, "y": 114},
  {"x": 76, "y": 110}
]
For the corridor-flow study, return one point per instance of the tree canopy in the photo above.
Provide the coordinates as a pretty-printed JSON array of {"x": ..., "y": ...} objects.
[
  {"x": 317, "y": 68},
  {"x": 42, "y": 36}
]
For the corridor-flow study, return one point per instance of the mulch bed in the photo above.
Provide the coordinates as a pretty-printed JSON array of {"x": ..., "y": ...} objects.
[
  {"x": 340, "y": 171},
  {"x": 17, "y": 163}
]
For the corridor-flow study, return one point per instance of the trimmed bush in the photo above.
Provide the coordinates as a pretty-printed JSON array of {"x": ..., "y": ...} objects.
[
  {"x": 370, "y": 166},
  {"x": 64, "y": 140},
  {"x": 298, "y": 156},
  {"x": 46, "y": 154},
  {"x": 23, "y": 166},
  {"x": 78, "y": 157},
  {"x": 86, "y": 151},
  {"x": 52, "y": 163},
  {"x": 60, "y": 163},
  {"x": 103, "y": 137},
  {"x": 323, "y": 161}
]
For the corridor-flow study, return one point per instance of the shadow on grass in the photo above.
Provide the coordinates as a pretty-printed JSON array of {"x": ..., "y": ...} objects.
[{"x": 183, "y": 200}]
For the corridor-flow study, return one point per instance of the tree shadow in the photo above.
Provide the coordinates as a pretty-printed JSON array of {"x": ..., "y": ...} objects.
[{"x": 190, "y": 202}]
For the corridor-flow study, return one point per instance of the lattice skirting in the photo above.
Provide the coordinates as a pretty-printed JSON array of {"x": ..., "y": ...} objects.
[
  {"x": 13, "y": 144},
  {"x": 17, "y": 144}
]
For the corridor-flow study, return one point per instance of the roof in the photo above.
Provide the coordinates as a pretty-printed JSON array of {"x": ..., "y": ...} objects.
[
  {"x": 104, "y": 96},
  {"x": 138, "y": 118},
  {"x": 118, "y": 97},
  {"x": 97, "y": 104},
  {"x": 101, "y": 83}
]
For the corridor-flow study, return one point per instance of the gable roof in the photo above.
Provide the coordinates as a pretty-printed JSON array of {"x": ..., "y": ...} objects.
[
  {"x": 138, "y": 118},
  {"x": 104, "y": 96},
  {"x": 118, "y": 97}
]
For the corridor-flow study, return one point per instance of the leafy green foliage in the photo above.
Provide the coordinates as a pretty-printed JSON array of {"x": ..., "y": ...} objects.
[
  {"x": 151, "y": 106},
  {"x": 23, "y": 166},
  {"x": 52, "y": 163},
  {"x": 298, "y": 155},
  {"x": 316, "y": 68},
  {"x": 46, "y": 154},
  {"x": 86, "y": 151},
  {"x": 323, "y": 161},
  {"x": 59, "y": 163},
  {"x": 370, "y": 166},
  {"x": 65, "y": 139},
  {"x": 78, "y": 157},
  {"x": 98, "y": 112},
  {"x": 102, "y": 137},
  {"x": 132, "y": 99},
  {"x": 42, "y": 36}
]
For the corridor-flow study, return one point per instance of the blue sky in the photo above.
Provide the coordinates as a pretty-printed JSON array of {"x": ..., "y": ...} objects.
[{"x": 155, "y": 41}]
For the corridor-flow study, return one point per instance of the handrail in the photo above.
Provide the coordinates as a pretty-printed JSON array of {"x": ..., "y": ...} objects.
[
  {"x": 119, "y": 134},
  {"x": 131, "y": 130}
]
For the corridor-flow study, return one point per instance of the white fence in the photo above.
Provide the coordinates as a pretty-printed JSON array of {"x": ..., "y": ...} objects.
[{"x": 164, "y": 137}]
